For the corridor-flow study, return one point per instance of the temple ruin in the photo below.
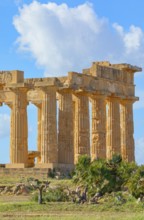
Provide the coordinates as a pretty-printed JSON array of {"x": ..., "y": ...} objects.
[{"x": 108, "y": 88}]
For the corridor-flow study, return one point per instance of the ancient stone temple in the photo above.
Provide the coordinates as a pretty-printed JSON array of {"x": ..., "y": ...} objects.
[{"x": 82, "y": 113}]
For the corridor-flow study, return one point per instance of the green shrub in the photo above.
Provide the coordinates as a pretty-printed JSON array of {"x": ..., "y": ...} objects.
[
  {"x": 136, "y": 182},
  {"x": 55, "y": 195},
  {"x": 35, "y": 197},
  {"x": 52, "y": 173},
  {"x": 104, "y": 176},
  {"x": 52, "y": 195}
]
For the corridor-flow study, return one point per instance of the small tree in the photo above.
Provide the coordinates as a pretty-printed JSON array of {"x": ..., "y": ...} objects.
[{"x": 40, "y": 186}]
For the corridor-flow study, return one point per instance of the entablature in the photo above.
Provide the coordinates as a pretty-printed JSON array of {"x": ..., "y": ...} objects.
[{"x": 101, "y": 78}]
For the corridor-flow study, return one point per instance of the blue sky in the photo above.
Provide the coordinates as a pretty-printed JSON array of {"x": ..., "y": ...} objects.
[{"x": 45, "y": 38}]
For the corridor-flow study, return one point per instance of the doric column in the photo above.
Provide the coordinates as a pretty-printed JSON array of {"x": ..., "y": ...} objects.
[
  {"x": 127, "y": 130},
  {"x": 113, "y": 127},
  {"x": 19, "y": 131},
  {"x": 98, "y": 127},
  {"x": 65, "y": 134},
  {"x": 81, "y": 127},
  {"x": 39, "y": 128},
  {"x": 49, "y": 149}
]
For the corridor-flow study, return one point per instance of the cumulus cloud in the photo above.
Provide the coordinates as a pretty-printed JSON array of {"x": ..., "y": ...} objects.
[
  {"x": 4, "y": 125},
  {"x": 63, "y": 39},
  {"x": 57, "y": 36},
  {"x": 133, "y": 39},
  {"x": 139, "y": 150}
]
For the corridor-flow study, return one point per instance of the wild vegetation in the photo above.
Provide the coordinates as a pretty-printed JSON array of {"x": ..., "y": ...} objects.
[
  {"x": 97, "y": 189},
  {"x": 101, "y": 176}
]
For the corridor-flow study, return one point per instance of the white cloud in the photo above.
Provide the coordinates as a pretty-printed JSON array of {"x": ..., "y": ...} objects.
[
  {"x": 64, "y": 39},
  {"x": 132, "y": 39},
  {"x": 4, "y": 125},
  {"x": 139, "y": 150},
  {"x": 59, "y": 38}
]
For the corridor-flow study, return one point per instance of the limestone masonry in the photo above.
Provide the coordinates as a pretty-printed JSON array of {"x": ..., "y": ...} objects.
[{"x": 110, "y": 91}]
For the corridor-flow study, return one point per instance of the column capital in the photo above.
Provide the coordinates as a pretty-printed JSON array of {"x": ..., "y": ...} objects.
[
  {"x": 37, "y": 104},
  {"x": 47, "y": 89},
  {"x": 20, "y": 87},
  {"x": 99, "y": 96},
  {"x": 128, "y": 101},
  {"x": 113, "y": 99},
  {"x": 65, "y": 91},
  {"x": 9, "y": 104},
  {"x": 81, "y": 92}
]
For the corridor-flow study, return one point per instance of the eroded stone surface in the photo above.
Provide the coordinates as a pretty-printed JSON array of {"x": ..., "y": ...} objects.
[{"x": 64, "y": 118}]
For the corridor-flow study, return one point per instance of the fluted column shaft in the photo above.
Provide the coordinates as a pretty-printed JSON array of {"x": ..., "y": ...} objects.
[
  {"x": 39, "y": 128},
  {"x": 81, "y": 127},
  {"x": 127, "y": 130},
  {"x": 65, "y": 135},
  {"x": 19, "y": 131},
  {"x": 113, "y": 128},
  {"x": 49, "y": 149},
  {"x": 98, "y": 127}
]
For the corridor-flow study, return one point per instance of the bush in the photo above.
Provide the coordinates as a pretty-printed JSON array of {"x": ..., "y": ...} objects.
[
  {"x": 56, "y": 195},
  {"x": 136, "y": 182},
  {"x": 35, "y": 197},
  {"x": 52, "y": 195},
  {"x": 52, "y": 173},
  {"x": 104, "y": 176}
]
